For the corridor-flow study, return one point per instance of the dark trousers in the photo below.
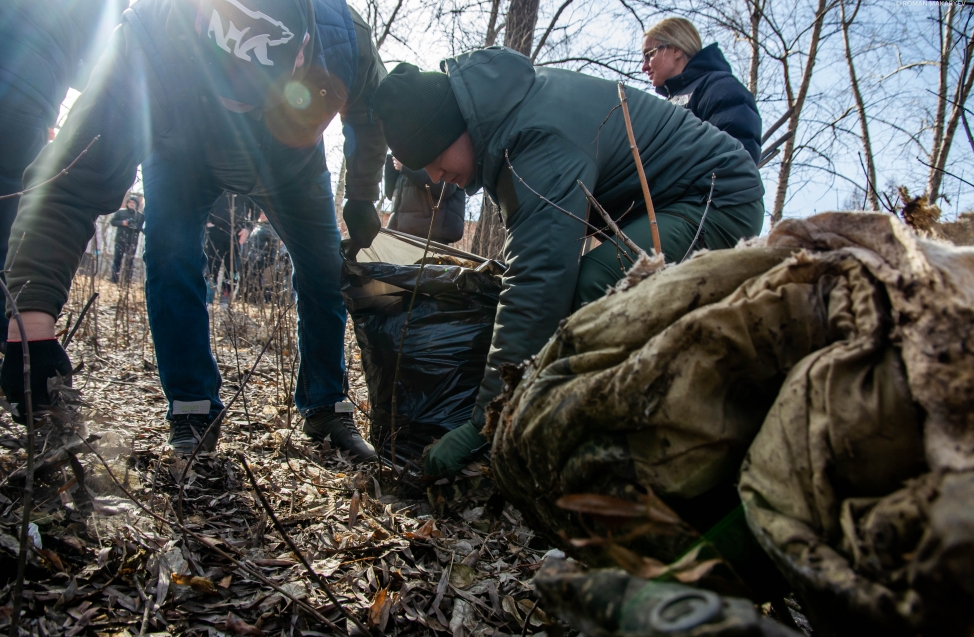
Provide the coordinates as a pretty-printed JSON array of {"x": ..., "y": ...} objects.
[
  {"x": 179, "y": 197},
  {"x": 22, "y": 135},
  {"x": 124, "y": 256}
]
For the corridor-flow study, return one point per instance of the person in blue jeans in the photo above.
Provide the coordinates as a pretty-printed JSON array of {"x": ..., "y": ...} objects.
[{"x": 212, "y": 95}]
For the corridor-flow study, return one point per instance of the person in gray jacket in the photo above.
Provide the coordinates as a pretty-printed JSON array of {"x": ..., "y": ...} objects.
[{"x": 412, "y": 205}]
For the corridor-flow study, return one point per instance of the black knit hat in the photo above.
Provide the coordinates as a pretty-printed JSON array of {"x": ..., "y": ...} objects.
[{"x": 419, "y": 113}]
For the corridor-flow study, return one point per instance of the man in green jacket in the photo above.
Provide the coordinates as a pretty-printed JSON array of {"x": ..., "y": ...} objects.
[{"x": 559, "y": 127}]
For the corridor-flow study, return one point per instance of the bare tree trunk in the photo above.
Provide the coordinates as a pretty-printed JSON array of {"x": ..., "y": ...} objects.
[
  {"x": 796, "y": 102},
  {"x": 871, "y": 195},
  {"x": 757, "y": 14},
  {"x": 488, "y": 239},
  {"x": 522, "y": 17},
  {"x": 944, "y": 132},
  {"x": 492, "y": 24},
  {"x": 946, "y": 42}
]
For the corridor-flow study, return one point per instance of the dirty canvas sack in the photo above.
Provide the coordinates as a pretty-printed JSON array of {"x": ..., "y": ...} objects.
[
  {"x": 830, "y": 372},
  {"x": 651, "y": 397},
  {"x": 860, "y": 484},
  {"x": 445, "y": 351}
]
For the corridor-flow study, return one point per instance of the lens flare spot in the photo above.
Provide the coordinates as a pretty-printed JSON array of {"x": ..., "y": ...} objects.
[{"x": 297, "y": 95}]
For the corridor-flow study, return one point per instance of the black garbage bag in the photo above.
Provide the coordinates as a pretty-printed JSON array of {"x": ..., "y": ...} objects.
[{"x": 445, "y": 351}]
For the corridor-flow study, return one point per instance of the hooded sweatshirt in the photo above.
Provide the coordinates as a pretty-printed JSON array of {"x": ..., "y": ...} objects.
[
  {"x": 558, "y": 127},
  {"x": 709, "y": 89}
]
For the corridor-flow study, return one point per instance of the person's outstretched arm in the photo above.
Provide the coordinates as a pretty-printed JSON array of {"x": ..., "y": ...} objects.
[
  {"x": 365, "y": 146},
  {"x": 55, "y": 221},
  {"x": 541, "y": 252}
]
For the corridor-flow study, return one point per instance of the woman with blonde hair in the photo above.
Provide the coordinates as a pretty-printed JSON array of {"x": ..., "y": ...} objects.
[{"x": 699, "y": 78}]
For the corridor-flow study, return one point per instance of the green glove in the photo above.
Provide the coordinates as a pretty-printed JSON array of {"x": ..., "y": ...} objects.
[{"x": 454, "y": 451}]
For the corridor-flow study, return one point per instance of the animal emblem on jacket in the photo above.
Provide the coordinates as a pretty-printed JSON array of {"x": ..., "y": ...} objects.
[{"x": 256, "y": 43}]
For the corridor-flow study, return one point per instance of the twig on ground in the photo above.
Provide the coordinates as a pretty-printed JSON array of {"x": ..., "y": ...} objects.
[
  {"x": 18, "y": 595},
  {"x": 612, "y": 224},
  {"x": 527, "y": 619},
  {"x": 252, "y": 570},
  {"x": 710, "y": 197},
  {"x": 598, "y": 231},
  {"x": 294, "y": 548},
  {"x": 60, "y": 174},
  {"x": 219, "y": 418},
  {"x": 77, "y": 324},
  {"x": 639, "y": 169}
]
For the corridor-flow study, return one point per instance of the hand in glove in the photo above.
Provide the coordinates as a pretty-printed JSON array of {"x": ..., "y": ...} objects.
[
  {"x": 362, "y": 221},
  {"x": 47, "y": 360},
  {"x": 454, "y": 451}
]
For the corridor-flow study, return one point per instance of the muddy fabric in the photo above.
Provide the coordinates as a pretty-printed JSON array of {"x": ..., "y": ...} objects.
[
  {"x": 612, "y": 603},
  {"x": 860, "y": 484},
  {"x": 659, "y": 389},
  {"x": 838, "y": 358}
]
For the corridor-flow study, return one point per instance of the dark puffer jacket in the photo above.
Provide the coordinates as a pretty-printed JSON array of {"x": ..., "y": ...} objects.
[
  {"x": 709, "y": 89},
  {"x": 411, "y": 207},
  {"x": 48, "y": 45}
]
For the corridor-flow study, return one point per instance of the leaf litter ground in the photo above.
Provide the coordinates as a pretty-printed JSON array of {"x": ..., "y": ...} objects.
[{"x": 106, "y": 566}]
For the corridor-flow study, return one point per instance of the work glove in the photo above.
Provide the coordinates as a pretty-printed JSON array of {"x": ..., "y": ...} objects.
[
  {"x": 47, "y": 360},
  {"x": 362, "y": 222},
  {"x": 454, "y": 451}
]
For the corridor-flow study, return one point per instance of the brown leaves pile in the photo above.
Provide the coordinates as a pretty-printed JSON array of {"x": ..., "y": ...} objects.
[{"x": 107, "y": 567}]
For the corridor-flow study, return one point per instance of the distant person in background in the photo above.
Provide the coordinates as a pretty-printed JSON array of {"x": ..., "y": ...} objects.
[
  {"x": 129, "y": 222},
  {"x": 699, "y": 78},
  {"x": 45, "y": 47},
  {"x": 221, "y": 255},
  {"x": 411, "y": 207}
]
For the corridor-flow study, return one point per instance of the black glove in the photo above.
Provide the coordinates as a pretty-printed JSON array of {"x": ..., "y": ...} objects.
[
  {"x": 362, "y": 221},
  {"x": 47, "y": 360}
]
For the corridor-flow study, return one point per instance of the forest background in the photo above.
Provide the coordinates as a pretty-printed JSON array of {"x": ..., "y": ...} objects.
[{"x": 873, "y": 92}]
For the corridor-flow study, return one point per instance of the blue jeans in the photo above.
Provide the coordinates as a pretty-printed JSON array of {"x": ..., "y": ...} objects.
[{"x": 179, "y": 196}]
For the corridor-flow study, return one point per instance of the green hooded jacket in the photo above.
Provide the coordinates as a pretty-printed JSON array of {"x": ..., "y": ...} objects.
[{"x": 558, "y": 127}]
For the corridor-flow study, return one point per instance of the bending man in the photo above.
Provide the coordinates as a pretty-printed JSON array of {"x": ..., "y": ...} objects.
[
  {"x": 559, "y": 127},
  {"x": 211, "y": 95}
]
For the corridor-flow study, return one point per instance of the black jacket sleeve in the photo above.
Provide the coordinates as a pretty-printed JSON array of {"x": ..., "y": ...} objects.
[
  {"x": 729, "y": 106},
  {"x": 120, "y": 217},
  {"x": 365, "y": 146}
]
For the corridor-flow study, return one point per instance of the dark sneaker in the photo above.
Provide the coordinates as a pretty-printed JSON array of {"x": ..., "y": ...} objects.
[
  {"x": 185, "y": 433},
  {"x": 344, "y": 434}
]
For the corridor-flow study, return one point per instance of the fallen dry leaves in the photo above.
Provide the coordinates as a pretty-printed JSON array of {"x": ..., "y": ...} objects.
[{"x": 397, "y": 563}]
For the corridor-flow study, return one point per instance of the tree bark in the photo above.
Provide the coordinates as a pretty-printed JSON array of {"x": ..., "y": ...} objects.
[
  {"x": 757, "y": 14},
  {"x": 491, "y": 37},
  {"x": 871, "y": 195},
  {"x": 522, "y": 17},
  {"x": 946, "y": 42},
  {"x": 796, "y": 102},
  {"x": 944, "y": 132}
]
